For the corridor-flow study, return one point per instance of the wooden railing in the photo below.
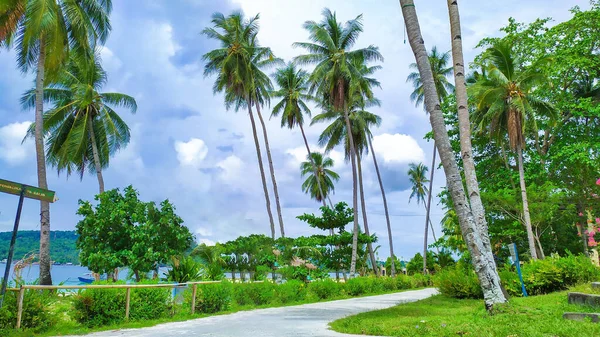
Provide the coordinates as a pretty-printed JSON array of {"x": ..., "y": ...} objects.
[{"x": 21, "y": 290}]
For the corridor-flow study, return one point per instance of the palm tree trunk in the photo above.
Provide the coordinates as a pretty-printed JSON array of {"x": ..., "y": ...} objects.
[
  {"x": 428, "y": 209},
  {"x": 354, "y": 194},
  {"x": 385, "y": 207},
  {"x": 530, "y": 238},
  {"x": 432, "y": 231},
  {"x": 271, "y": 169},
  {"x": 45, "y": 275},
  {"x": 465, "y": 128},
  {"x": 539, "y": 244},
  {"x": 314, "y": 167},
  {"x": 97, "y": 164},
  {"x": 363, "y": 207},
  {"x": 262, "y": 169},
  {"x": 484, "y": 267}
]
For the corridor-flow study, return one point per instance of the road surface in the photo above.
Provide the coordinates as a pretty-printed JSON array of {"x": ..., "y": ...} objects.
[{"x": 302, "y": 320}]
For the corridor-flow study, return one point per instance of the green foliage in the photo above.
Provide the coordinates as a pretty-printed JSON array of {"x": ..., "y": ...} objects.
[
  {"x": 257, "y": 293},
  {"x": 36, "y": 316},
  {"x": 458, "y": 282},
  {"x": 63, "y": 248},
  {"x": 150, "y": 303},
  {"x": 213, "y": 297},
  {"x": 357, "y": 286},
  {"x": 184, "y": 269},
  {"x": 291, "y": 291},
  {"x": 335, "y": 219},
  {"x": 123, "y": 231},
  {"x": 324, "y": 289},
  {"x": 97, "y": 307}
]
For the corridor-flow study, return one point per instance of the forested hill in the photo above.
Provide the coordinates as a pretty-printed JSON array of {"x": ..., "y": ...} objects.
[{"x": 62, "y": 245}]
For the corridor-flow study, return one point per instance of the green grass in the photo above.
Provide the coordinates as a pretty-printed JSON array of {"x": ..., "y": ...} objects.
[{"x": 441, "y": 316}]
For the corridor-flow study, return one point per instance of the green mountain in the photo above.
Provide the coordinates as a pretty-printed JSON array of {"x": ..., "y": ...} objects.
[{"x": 62, "y": 245}]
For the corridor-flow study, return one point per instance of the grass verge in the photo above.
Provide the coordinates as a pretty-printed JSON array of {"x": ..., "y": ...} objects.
[{"x": 442, "y": 316}]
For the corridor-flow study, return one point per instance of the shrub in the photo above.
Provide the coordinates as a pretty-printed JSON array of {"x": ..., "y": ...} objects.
[
  {"x": 257, "y": 293},
  {"x": 421, "y": 281},
  {"x": 97, "y": 307},
  {"x": 324, "y": 289},
  {"x": 184, "y": 269},
  {"x": 213, "y": 297},
  {"x": 150, "y": 303},
  {"x": 388, "y": 284},
  {"x": 357, "y": 286},
  {"x": 403, "y": 282},
  {"x": 36, "y": 314},
  {"x": 458, "y": 283},
  {"x": 291, "y": 291}
]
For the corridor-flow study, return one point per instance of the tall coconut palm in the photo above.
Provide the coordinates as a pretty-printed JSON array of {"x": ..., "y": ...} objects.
[
  {"x": 319, "y": 183},
  {"x": 417, "y": 176},
  {"x": 464, "y": 123},
  {"x": 82, "y": 128},
  {"x": 483, "y": 265},
  {"x": 506, "y": 104},
  {"x": 441, "y": 71},
  {"x": 293, "y": 92},
  {"x": 44, "y": 31},
  {"x": 335, "y": 133},
  {"x": 330, "y": 50},
  {"x": 232, "y": 65}
]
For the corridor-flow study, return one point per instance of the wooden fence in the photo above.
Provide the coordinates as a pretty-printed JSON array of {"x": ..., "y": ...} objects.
[{"x": 21, "y": 290}]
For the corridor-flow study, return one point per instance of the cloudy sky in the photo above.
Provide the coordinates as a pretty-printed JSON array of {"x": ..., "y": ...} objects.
[{"x": 186, "y": 147}]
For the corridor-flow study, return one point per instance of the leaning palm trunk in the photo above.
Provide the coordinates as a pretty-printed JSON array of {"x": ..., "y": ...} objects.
[
  {"x": 262, "y": 169},
  {"x": 272, "y": 170},
  {"x": 465, "y": 127},
  {"x": 526, "y": 216},
  {"x": 484, "y": 267},
  {"x": 364, "y": 214},
  {"x": 354, "y": 194},
  {"x": 97, "y": 164},
  {"x": 314, "y": 168},
  {"x": 45, "y": 276},
  {"x": 428, "y": 209},
  {"x": 385, "y": 208}
]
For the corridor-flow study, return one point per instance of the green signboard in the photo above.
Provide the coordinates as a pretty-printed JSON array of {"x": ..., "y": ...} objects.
[{"x": 30, "y": 191}]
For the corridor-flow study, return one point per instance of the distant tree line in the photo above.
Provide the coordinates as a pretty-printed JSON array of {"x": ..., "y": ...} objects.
[{"x": 63, "y": 248}]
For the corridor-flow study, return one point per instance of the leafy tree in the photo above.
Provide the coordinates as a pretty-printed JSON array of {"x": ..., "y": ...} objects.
[
  {"x": 330, "y": 50},
  {"x": 44, "y": 31},
  {"x": 82, "y": 127},
  {"x": 122, "y": 231},
  {"x": 319, "y": 183}
]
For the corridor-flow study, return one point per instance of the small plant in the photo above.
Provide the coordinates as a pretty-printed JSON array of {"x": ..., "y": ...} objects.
[
  {"x": 184, "y": 269},
  {"x": 212, "y": 298},
  {"x": 258, "y": 293},
  {"x": 458, "y": 282},
  {"x": 291, "y": 291},
  {"x": 36, "y": 313},
  {"x": 324, "y": 289}
]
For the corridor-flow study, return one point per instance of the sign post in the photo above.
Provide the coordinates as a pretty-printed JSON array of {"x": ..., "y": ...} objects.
[
  {"x": 515, "y": 257},
  {"x": 23, "y": 191}
]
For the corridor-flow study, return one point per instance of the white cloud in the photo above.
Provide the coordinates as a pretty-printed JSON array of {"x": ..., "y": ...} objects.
[
  {"x": 11, "y": 149},
  {"x": 109, "y": 60},
  {"x": 232, "y": 168},
  {"x": 398, "y": 148},
  {"x": 203, "y": 231},
  {"x": 191, "y": 153},
  {"x": 298, "y": 154},
  {"x": 207, "y": 242}
]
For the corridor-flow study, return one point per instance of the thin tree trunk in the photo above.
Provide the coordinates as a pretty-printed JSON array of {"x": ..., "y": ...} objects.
[
  {"x": 385, "y": 206},
  {"x": 526, "y": 216},
  {"x": 97, "y": 164},
  {"x": 262, "y": 169},
  {"x": 264, "y": 129},
  {"x": 363, "y": 207},
  {"x": 539, "y": 244},
  {"x": 428, "y": 209},
  {"x": 432, "y": 232},
  {"x": 484, "y": 267},
  {"x": 314, "y": 167},
  {"x": 512, "y": 182},
  {"x": 45, "y": 275},
  {"x": 464, "y": 123},
  {"x": 354, "y": 194}
]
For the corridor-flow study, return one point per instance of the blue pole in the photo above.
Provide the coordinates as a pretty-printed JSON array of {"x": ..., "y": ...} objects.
[{"x": 518, "y": 264}]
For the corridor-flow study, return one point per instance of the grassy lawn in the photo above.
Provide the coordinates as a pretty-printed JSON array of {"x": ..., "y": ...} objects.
[{"x": 442, "y": 316}]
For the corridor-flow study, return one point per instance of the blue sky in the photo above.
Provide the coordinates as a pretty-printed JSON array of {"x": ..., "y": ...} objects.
[{"x": 186, "y": 147}]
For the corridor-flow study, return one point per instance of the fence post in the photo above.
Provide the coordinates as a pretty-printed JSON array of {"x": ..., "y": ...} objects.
[
  {"x": 194, "y": 289},
  {"x": 127, "y": 300},
  {"x": 20, "y": 306}
]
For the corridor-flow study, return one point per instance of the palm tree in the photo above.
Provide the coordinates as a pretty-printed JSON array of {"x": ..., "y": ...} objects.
[
  {"x": 82, "y": 127},
  {"x": 335, "y": 133},
  {"x": 293, "y": 88},
  {"x": 417, "y": 176},
  {"x": 319, "y": 182},
  {"x": 232, "y": 65},
  {"x": 505, "y": 104},
  {"x": 441, "y": 71},
  {"x": 44, "y": 31},
  {"x": 331, "y": 52},
  {"x": 483, "y": 265}
]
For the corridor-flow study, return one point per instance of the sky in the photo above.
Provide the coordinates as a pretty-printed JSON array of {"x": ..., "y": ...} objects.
[{"x": 186, "y": 147}]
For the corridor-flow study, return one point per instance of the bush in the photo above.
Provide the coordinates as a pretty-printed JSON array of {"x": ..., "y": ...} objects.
[
  {"x": 388, "y": 284},
  {"x": 403, "y": 282},
  {"x": 357, "y": 286},
  {"x": 324, "y": 289},
  {"x": 184, "y": 269},
  {"x": 258, "y": 293},
  {"x": 150, "y": 303},
  {"x": 36, "y": 314},
  {"x": 458, "y": 283},
  {"x": 421, "y": 281},
  {"x": 291, "y": 291},
  {"x": 213, "y": 297}
]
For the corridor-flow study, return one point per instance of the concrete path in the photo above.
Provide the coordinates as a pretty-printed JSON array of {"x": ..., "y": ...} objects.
[{"x": 302, "y": 320}]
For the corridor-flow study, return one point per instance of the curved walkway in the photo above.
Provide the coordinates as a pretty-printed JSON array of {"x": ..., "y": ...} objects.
[{"x": 302, "y": 320}]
